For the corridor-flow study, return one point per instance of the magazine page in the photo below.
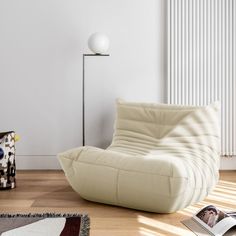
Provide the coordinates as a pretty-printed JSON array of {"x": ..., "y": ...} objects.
[
  {"x": 232, "y": 214},
  {"x": 214, "y": 220}
]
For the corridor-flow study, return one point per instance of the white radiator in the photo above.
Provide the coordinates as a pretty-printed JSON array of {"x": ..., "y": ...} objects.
[{"x": 202, "y": 59}]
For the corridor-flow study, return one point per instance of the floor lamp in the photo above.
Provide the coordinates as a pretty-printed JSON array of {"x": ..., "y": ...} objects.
[{"x": 98, "y": 43}]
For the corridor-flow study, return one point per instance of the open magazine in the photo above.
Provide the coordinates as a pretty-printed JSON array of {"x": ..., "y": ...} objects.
[{"x": 213, "y": 221}]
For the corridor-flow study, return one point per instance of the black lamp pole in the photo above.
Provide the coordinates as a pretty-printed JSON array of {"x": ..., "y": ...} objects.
[{"x": 83, "y": 92}]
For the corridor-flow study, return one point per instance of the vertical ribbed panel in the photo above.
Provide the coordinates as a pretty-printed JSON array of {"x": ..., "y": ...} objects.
[{"x": 202, "y": 59}]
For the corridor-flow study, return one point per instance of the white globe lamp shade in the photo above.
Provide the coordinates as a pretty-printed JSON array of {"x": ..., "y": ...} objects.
[{"x": 98, "y": 43}]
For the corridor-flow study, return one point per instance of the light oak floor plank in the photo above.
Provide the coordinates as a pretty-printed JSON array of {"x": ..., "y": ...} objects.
[{"x": 49, "y": 191}]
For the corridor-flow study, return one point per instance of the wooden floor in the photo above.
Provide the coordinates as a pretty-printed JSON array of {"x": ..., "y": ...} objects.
[{"x": 48, "y": 191}]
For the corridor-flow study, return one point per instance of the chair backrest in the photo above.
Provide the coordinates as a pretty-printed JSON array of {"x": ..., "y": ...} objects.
[{"x": 159, "y": 125}]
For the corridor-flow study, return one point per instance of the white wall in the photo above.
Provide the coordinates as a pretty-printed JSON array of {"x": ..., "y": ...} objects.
[{"x": 41, "y": 47}]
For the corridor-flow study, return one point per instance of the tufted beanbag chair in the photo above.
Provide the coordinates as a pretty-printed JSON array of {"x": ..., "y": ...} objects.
[{"x": 162, "y": 158}]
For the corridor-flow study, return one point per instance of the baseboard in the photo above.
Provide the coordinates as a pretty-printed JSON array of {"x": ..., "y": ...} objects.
[
  {"x": 52, "y": 163},
  {"x": 37, "y": 163},
  {"x": 228, "y": 163}
]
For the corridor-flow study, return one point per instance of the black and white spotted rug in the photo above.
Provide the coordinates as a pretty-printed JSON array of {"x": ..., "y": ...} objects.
[{"x": 45, "y": 224}]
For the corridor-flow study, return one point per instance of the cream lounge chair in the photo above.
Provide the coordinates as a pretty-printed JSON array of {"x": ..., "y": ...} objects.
[{"x": 162, "y": 158}]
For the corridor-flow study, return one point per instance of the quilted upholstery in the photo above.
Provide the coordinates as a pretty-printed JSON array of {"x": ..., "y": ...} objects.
[{"x": 162, "y": 158}]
